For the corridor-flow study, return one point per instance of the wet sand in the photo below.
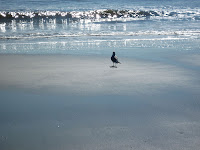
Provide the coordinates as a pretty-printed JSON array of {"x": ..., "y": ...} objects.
[{"x": 79, "y": 102}]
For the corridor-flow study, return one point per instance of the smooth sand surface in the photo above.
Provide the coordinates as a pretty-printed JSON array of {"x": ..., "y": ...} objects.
[
  {"x": 60, "y": 102},
  {"x": 92, "y": 75}
]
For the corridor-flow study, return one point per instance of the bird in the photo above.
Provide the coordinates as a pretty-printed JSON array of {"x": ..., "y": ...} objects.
[{"x": 114, "y": 59}]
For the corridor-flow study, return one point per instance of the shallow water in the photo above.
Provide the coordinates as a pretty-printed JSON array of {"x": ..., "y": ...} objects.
[{"x": 130, "y": 28}]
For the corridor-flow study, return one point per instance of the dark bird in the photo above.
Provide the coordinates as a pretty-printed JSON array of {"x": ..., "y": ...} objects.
[{"x": 114, "y": 60}]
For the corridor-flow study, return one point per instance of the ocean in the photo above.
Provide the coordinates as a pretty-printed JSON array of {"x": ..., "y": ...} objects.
[{"x": 132, "y": 28}]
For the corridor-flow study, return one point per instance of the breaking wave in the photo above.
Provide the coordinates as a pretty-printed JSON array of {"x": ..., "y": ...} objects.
[{"x": 98, "y": 15}]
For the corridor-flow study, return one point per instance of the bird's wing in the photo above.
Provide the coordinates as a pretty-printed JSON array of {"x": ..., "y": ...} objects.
[
  {"x": 116, "y": 58},
  {"x": 117, "y": 61}
]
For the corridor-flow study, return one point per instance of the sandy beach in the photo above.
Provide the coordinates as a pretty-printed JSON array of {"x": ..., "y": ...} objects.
[{"x": 59, "y": 102}]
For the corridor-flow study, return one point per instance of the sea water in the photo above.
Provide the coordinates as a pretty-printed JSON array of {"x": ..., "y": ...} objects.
[{"x": 93, "y": 27}]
